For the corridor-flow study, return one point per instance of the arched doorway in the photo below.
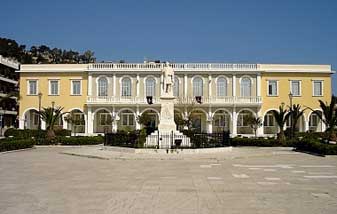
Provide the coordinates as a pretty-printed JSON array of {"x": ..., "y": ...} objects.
[
  {"x": 127, "y": 121},
  {"x": 243, "y": 126},
  {"x": 31, "y": 119},
  {"x": 197, "y": 121},
  {"x": 152, "y": 120},
  {"x": 221, "y": 121},
  {"x": 269, "y": 124},
  {"x": 76, "y": 121},
  {"x": 315, "y": 123},
  {"x": 102, "y": 121}
]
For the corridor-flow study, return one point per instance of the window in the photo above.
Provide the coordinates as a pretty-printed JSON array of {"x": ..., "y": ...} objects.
[
  {"x": 126, "y": 87},
  {"x": 104, "y": 119},
  {"x": 243, "y": 119},
  {"x": 295, "y": 87},
  {"x": 269, "y": 120},
  {"x": 246, "y": 86},
  {"x": 76, "y": 87},
  {"x": 220, "y": 120},
  {"x": 272, "y": 88},
  {"x": 317, "y": 88},
  {"x": 79, "y": 118},
  {"x": 221, "y": 87},
  {"x": 176, "y": 87},
  {"x": 197, "y": 87},
  {"x": 127, "y": 119},
  {"x": 53, "y": 87},
  {"x": 313, "y": 120},
  {"x": 32, "y": 87},
  {"x": 102, "y": 87},
  {"x": 36, "y": 118},
  {"x": 150, "y": 85}
]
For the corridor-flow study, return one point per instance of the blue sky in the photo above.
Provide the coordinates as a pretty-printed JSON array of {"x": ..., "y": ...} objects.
[{"x": 263, "y": 31}]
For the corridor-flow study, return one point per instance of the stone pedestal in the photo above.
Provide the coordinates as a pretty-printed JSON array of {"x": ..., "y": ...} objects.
[{"x": 167, "y": 124}]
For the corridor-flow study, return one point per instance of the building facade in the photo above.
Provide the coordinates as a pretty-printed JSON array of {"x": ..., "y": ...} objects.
[
  {"x": 8, "y": 87},
  {"x": 108, "y": 97}
]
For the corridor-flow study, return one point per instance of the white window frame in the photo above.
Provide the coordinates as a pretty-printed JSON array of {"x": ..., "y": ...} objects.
[
  {"x": 121, "y": 87},
  {"x": 58, "y": 87},
  {"x": 267, "y": 120},
  {"x": 277, "y": 88},
  {"x": 225, "y": 89},
  {"x": 241, "y": 120},
  {"x": 98, "y": 88},
  {"x": 312, "y": 115},
  {"x": 72, "y": 87},
  {"x": 251, "y": 85},
  {"x": 127, "y": 115},
  {"x": 300, "y": 88},
  {"x": 146, "y": 86},
  {"x": 225, "y": 120},
  {"x": 28, "y": 86},
  {"x": 202, "y": 86},
  {"x": 106, "y": 116},
  {"x": 313, "y": 88}
]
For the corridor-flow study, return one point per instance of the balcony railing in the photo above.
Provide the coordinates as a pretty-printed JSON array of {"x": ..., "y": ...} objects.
[
  {"x": 9, "y": 62},
  {"x": 188, "y": 100},
  {"x": 175, "y": 66}
]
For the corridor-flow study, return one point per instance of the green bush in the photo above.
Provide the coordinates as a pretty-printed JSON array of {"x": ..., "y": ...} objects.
[
  {"x": 8, "y": 145},
  {"x": 316, "y": 146},
  {"x": 133, "y": 139},
  {"x": 79, "y": 140},
  {"x": 270, "y": 142},
  {"x": 29, "y": 133}
]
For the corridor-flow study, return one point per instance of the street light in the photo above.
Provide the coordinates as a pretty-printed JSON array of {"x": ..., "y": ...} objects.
[
  {"x": 291, "y": 115},
  {"x": 40, "y": 98}
]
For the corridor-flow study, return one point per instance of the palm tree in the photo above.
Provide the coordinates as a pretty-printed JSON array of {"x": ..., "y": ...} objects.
[
  {"x": 328, "y": 115},
  {"x": 281, "y": 117},
  {"x": 51, "y": 116},
  {"x": 295, "y": 113},
  {"x": 255, "y": 123}
]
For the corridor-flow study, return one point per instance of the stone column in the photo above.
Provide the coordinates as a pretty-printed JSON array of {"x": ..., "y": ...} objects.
[
  {"x": 89, "y": 85},
  {"x": 306, "y": 125},
  {"x": 259, "y": 131},
  {"x": 137, "y": 86},
  {"x": 90, "y": 122},
  {"x": 185, "y": 85},
  {"x": 137, "y": 114},
  {"x": 43, "y": 125},
  {"x": 234, "y": 85},
  {"x": 114, "y": 85},
  {"x": 234, "y": 128},
  {"x": 209, "y": 86},
  {"x": 258, "y": 85},
  {"x": 21, "y": 124}
]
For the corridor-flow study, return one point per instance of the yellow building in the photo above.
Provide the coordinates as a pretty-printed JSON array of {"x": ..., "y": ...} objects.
[{"x": 110, "y": 96}]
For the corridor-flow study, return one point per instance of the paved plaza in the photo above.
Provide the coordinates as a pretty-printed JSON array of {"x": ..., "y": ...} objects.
[{"x": 245, "y": 180}]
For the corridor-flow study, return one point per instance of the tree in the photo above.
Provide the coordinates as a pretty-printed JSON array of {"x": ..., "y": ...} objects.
[
  {"x": 295, "y": 114},
  {"x": 51, "y": 116},
  {"x": 281, "y": 117},
  {"x": 188, "y": 106},
  {"x": 254, "y": 123},
  {"x": 328, "y": 116},
  {"x": 74, "y": 121}
]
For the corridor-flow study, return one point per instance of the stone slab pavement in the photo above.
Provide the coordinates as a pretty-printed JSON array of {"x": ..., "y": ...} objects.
[{"x": 247, "y": 180}]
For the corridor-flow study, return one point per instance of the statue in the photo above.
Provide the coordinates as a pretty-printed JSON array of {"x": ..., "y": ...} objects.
[{"x": 167, "y": 79}]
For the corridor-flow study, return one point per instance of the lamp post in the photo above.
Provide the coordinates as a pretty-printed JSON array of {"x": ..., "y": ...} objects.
[
  {"x": 40, "y": 98},
  {"x": 1, "y": 120},
  {"x": 291, "y": 115}
]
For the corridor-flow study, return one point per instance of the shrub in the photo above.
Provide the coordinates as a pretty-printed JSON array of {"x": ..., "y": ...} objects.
[
  {"x": 8, "y": 145},
  {"x": 29, "y": 133},
  {"x": 270, "y": 142},
  {"x": 316, "y": 146},
  {"x": 79, "y": 140},
  {"x": 132, "y": 139}
]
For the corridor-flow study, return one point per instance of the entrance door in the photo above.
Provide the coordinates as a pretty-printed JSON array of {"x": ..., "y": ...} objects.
[{"x": 196, "y": 123}]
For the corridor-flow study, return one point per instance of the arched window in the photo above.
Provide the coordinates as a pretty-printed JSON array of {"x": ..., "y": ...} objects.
[
  {"x": 102, "y": 87},
  {"x": 126, "y": 87},
  {"x": 197, "y": 86},
  {"x": 176, "y": 87},
  {"x": 221, "y": 87},
  {"x": 150, "y": 87},
  {"x": 246, "y": 87}
]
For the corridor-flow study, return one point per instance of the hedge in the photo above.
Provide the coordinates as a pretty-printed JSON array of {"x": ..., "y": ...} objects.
[
  {"x": 316, "y": 146},
  {"x": 29, "y": 133},
  {"x": 270, "y": 142},
  {"x": 8, "y": 145},
  {"x": 72, "y": 141}
]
